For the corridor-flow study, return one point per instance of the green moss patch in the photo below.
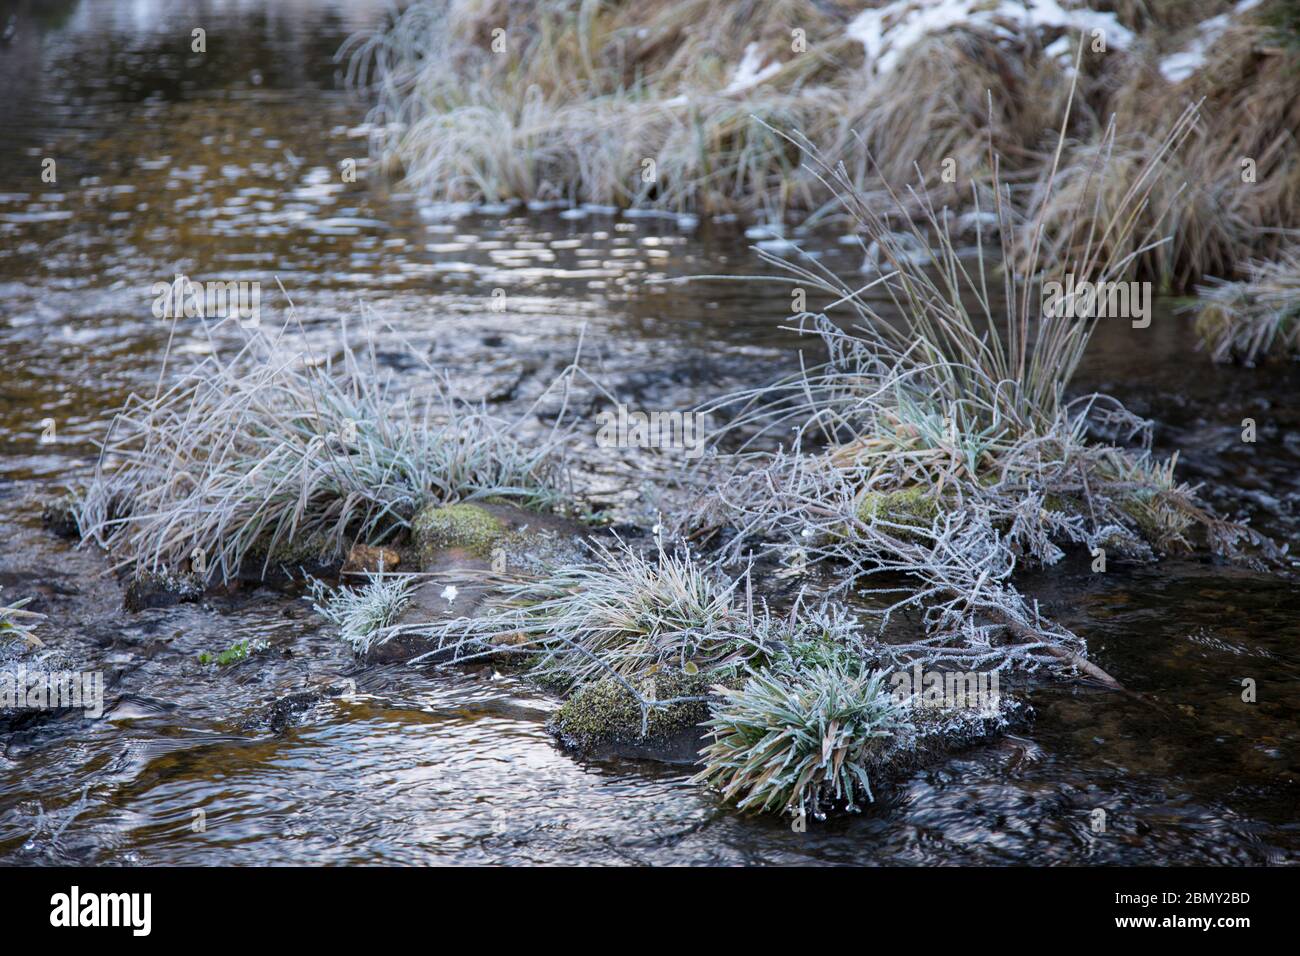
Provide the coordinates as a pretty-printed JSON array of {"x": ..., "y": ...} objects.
[
  {"x": 605, "y": 712},
  {"x": 909, "y": 506},
  {"x": 470, "y": 527}
]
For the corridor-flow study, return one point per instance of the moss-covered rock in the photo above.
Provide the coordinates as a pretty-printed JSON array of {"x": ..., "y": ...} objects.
[
  {"x": 605, "y": 719},
  {"x": 906, "y": 506},
  {"x": 468, "y": 527},
  {"x": 504, "y": 536},
  {"x": 314, "y": 554}
]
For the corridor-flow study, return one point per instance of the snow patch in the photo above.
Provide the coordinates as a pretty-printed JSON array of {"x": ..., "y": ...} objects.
[
  {"x": 751, "y": 71},
  {"x": 1179, "y": 66},
  {"x": 888, "y": 32}
]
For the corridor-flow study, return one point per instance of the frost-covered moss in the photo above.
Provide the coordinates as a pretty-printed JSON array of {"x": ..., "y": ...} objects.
[
  {"x": 905, "y": 506},
  {"x": 606, "y": 712},
  {"x": 466, "y": 526}
]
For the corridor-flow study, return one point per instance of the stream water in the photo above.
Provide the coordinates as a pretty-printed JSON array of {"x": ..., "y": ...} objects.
[{"x": 226, "y": 165}]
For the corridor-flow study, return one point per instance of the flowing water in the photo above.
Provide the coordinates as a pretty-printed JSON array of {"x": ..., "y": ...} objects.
[{"x": 227, "y": 165}]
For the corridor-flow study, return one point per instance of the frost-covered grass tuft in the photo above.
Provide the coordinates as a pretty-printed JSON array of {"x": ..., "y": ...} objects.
[
  {"x": 622, "y": 615},
  {"x": 792, "y": 741},
  {"x": 266, "y": 445},
  {"x": 938, "y": 440},
  {"x": 1256, "y": 317},
  {"x": 363, "y": 613}
]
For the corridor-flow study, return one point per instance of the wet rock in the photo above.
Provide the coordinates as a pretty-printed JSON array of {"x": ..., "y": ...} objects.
[
  {"x": 60, "y": 517},
  {"x": 516, "y": 538},
  {"x": 289, "y": 561},
  {"x": 468, "y": 548},
  {"x": 937, "y": 734},
  {"x": 286, "y": 708},
  {"x": 604, "y": 719},
  {"x": 364, "y": 558},
  {"x": 148, "y": 589}
]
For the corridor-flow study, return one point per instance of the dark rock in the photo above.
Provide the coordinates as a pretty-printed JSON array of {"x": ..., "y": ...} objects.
[
  {"x": 148, "y": 589},
  {"x": 60, "y": 517}
]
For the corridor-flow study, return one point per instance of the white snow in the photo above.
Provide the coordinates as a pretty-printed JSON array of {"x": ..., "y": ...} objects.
[
  {"x": 751, "y": 71},
  {"x": 1059, "y": 49},
  {"x": 887, "y": 33},
  {"x": 1179, "y": 66}
]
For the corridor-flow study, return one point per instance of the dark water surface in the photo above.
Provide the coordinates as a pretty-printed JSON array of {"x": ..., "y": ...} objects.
[{"x": 226, "y": 165}]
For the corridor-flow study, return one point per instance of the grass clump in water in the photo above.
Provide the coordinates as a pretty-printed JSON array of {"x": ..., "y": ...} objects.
[
  {"x": 792, "y": 741},
  {"x": 362, "y": 614},
  {"x": 944, "y": 446},
  {"x": 1256, "y": 317},
  {"x": 264, "y": 445},
  {"x": 621, "y": 615}
]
